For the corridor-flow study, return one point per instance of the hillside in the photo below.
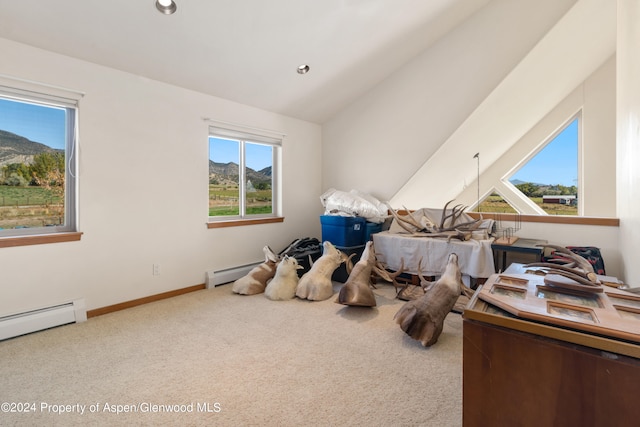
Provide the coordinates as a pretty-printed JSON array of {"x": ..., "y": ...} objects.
[
  {"x": 227, "y": 173},
  {"x": 17, "y": 149},
  {"x": 517, "y": 182}
]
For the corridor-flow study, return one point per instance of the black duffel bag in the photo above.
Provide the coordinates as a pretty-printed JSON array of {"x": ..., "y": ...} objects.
[{"x": 302, "y": 250}]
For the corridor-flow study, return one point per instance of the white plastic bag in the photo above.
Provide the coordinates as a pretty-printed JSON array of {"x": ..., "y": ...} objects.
[{"x": 353, "y": 203}]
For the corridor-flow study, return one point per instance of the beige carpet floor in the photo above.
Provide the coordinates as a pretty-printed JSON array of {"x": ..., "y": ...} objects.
[{"x": 215, "y": 358}]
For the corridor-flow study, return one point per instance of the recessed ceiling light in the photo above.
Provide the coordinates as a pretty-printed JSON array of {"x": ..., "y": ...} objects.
[
  {"x": 303, "y": 69},
  {"x": 166, "y": 6}
]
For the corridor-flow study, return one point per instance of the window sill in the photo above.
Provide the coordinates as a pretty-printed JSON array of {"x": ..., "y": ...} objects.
[
  {"x": 41, "y": 239},
  {"x": 242, "y": 222},
  {"x": 549, "y": 219}
]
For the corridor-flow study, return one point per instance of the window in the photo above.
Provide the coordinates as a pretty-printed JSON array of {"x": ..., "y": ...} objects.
[
  {"x": 550, "y": 178},
  {"x": 37, "y": 163},
  {"x": 243, "y": 177},
  {"x": 543, "y": 183},
  {"x": 494, "y": 202}
]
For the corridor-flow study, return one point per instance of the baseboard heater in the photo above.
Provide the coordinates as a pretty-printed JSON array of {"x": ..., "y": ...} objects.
[
  {"x": 219, "y": 277},
  {"x": 44, "y": 318}
]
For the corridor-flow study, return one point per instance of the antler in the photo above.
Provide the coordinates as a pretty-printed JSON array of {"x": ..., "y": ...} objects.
[
  {"x": 424, "y": 225},
  {"x": 551, "y": 266},
  {"x": 582, "y": 273},
  {"x": 456, "y": 211},
  {"x": 429, "y": 229},
  {"x": 381, "y": 271},
  {"x": 402, "y": 221},
  {"x": 424, "y": 283},
  {"x": 349, "y": 264},
  {"x": 580, "y": 262}
]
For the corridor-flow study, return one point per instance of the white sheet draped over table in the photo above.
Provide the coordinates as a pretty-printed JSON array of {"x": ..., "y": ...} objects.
[{"x": 475, "y": 257}]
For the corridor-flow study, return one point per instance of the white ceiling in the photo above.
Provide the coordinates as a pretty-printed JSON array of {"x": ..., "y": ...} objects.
[{"x": 244, "y": 50}]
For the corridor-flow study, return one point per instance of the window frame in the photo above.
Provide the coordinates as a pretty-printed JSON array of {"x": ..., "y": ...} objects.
[
  {"x": 515, "y": 198},
  {"x": 53, "y": 97},
  {"x": 551, "y": 138},
  {"x": 243, "y": 138}
]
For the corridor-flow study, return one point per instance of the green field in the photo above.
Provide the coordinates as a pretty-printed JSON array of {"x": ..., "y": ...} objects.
[
  {"x": 223, "y": 201},
  {"x": 27, "y": 196},
  {"x": 495, "y": 203},
  {"x": 29, "y": 207}
]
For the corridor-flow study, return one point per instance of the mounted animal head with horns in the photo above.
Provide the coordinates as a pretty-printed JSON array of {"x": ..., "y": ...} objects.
[{"x": 423, "y": 318}]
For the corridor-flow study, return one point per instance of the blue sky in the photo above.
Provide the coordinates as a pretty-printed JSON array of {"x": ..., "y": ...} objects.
[
  {"x": 557, "y": 163},
  {"x": 45, "y": 125},
  {"x": 258, "y": 156}
]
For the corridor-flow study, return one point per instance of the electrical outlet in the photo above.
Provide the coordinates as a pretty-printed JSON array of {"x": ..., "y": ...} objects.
[{"x": 156, "y": 269}]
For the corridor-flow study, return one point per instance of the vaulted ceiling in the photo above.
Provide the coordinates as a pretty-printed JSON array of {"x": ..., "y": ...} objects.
[
  {"x": 577, "y": 45},
  {"x": 245, "y": 51}
]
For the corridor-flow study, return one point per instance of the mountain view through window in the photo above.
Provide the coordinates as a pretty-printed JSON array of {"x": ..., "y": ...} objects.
[{"x": 32, "y": 165}]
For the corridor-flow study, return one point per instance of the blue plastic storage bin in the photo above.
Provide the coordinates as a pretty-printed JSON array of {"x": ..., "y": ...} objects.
[
  {"x": 370, "y": 229},
  {"x": 343, "y": 231}
]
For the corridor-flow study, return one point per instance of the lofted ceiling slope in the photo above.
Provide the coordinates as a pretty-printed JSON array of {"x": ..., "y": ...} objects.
[
  {"x": 245, "y": 51},
  {"x": 582, "y": 40}
]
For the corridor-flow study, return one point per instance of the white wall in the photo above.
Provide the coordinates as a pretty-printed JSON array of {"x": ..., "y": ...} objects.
[
  {"x": 567, "y": 55},
  {"x": 596, "y": 99},
  {"x": 599, "y": 142},
  {"x": 628, "y": 135},
  {"x": 379, "y": 142},
  {"x": 143, "y": 173}
]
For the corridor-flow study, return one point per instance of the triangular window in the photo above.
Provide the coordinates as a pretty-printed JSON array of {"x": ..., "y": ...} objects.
[{"x": 550, "y": 177}]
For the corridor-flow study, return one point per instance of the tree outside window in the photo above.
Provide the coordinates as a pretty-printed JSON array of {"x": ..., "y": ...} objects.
[{"x": 37, "y": 191}]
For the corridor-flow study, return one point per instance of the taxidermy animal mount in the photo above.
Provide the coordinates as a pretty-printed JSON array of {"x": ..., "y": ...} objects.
[
  {"x": 357, "y": 289},
  {"x": 316, "y": 284},
  {"x": 255, "y": 281},
  {"x": 423, "y": 318},
  {"x": 283, "y": 285}
]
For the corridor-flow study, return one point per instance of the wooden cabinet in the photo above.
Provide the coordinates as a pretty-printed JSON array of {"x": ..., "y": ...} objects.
[{"x": 524, "y": 373}]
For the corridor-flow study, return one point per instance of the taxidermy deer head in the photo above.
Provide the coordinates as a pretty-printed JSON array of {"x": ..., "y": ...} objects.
[
  {"x": 316, "y": 284},
  {"x": 423, "y": 318},
  {"x": 357, "y": 288},
  {"x": 255, "y": 281}
]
